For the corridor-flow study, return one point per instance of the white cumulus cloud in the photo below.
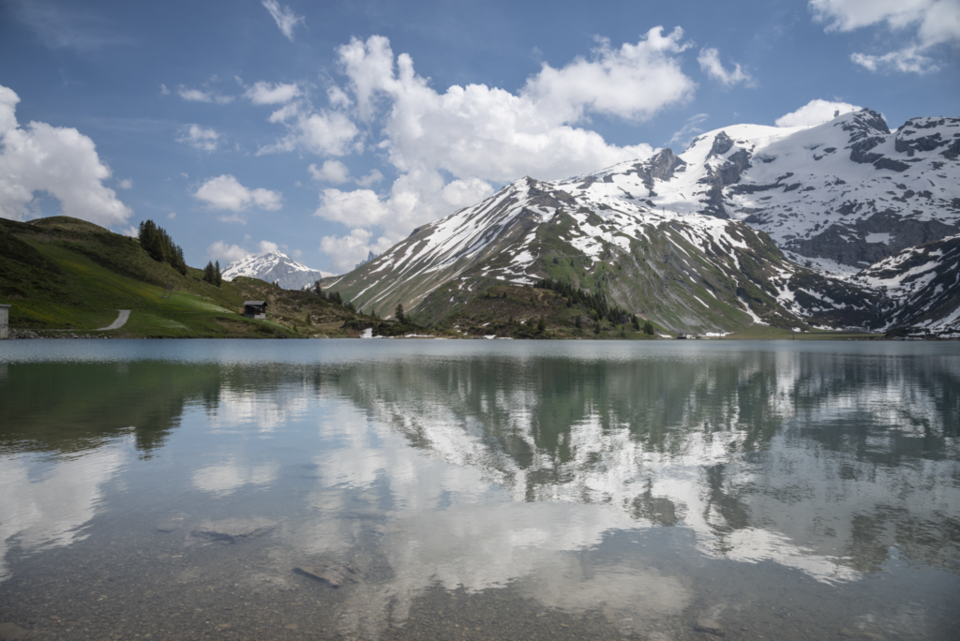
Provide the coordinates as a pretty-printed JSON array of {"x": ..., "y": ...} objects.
[
  {"x": 267, "y": 247},
  {"x": 332, "y": 171},
  {"x": 327, "y": 133},
  {"x": 265, "y": 93},
  {"x": 225, "y": 252},
  {"x": 815, "y": 112},
  {"x": 285, "y": 18},
  {"x": 348, "y": 250},
  {"x": 57, "y": 160},
  {"x": 489, "y": 133},
  {"x": 927, "y": 22},
  {"x": 709, "y": 60},
  {"x": 370, "y": 179},
  {"x": 907, "y": 60},
  {"x": 358, "y": 208},
  {"x": 226, "y": 192},
  {"x": 199, "y": 95},
  {"x": 633, "y": 82},
  {"x": 199, "y": 138}
]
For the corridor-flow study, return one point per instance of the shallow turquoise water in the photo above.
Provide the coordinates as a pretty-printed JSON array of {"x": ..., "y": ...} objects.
[{"x": 486, "y": 489}]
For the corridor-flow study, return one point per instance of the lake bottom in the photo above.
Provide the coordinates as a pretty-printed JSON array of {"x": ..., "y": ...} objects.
[{"x": 137, "y": 581}]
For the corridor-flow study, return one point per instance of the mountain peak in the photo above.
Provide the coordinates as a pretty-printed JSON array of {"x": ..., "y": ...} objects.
[{"x": 274, "y": 266}]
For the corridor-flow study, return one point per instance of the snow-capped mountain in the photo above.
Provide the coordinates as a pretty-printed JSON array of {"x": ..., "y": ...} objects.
[
  {"x": 839, "y": 196},
  {"x": 749, "y": 224},
  {"x": 274, "y": 266}
]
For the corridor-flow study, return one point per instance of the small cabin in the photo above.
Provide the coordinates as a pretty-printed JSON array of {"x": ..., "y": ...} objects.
[
  {"x": 4, "y": 320},
  {"x": 255, "y": 309}
]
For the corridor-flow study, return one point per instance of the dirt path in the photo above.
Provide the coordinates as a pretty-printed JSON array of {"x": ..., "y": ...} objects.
[{"x": 117, "y": 324}]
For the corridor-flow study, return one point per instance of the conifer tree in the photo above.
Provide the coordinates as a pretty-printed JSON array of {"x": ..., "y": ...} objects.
[
  {"x": 399, "y": 314},
  {"x": 217, "y": 276},
  {"x": 209, "y": 275},
  {"x": 160, "y": 246}
]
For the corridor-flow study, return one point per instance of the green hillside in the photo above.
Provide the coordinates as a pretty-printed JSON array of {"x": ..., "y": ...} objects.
[{"x": 61, "y": 273}]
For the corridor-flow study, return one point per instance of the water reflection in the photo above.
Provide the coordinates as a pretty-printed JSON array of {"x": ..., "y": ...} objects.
[
  {"x": 48, "y": 507},
  {"x": 510, "y": 469},
  {"x": 818, "y": 461}
]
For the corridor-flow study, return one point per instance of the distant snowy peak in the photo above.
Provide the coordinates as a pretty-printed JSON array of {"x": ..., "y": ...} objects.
[{"x": 274, "y": 266}]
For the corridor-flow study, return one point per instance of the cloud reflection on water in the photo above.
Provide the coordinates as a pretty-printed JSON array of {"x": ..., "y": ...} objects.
[{"x": 51, "y": 510}]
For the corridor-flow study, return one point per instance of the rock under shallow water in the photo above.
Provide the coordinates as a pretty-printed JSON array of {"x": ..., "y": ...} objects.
[
  {"x": 709, "y": 626},
  {"x": 332, "y": 573},
  {"x": 11, "y": 631},
  {"x": 235, "y": 529}
]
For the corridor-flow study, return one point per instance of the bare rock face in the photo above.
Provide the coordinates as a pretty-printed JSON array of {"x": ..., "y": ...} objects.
[
  {"x": 850, "y": 244},
  {"x": 332, "y": 573},
  {"x": 234, "y": 530}
]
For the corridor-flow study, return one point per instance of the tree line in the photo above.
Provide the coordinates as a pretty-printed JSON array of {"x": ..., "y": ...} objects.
[
  {"x": 596, "y": 302},
  {"x": 160, "y": 247}
]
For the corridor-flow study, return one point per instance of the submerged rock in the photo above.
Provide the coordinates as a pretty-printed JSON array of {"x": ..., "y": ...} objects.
[
  {"x": 11, "y": 631},
  {"x": 234, "y": 530},
  {"x": 332, "y": 573},
  {"x": 709, "y": 626}
]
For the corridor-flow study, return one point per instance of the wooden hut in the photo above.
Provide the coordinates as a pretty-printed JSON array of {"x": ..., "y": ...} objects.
[{"x": 255, "y": 309}]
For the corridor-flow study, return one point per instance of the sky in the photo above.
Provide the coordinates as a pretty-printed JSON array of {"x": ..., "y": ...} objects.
[{"x": 332, "y": 130}]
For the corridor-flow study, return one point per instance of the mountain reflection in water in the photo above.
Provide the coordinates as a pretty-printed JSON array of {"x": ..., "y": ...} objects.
[{"x": 499, "y": 465}]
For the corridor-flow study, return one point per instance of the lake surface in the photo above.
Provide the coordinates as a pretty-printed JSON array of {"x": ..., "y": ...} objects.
[{"x": 479, "y": 489}]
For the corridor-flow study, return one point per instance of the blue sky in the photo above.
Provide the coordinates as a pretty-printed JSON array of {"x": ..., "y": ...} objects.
[{"x": 329, "y": 130}]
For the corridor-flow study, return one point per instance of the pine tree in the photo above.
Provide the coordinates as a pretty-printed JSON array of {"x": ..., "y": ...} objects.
[
  {"x": 181, "y": 263},
  {"x": 160, "y": 246},
  {"x": 209, "y": 274},
  {"x": 217, "y": 276},
  {"x": 399, "y": 314}
]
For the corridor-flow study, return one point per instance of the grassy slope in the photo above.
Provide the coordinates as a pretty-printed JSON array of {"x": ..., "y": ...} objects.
[{"x": 61, "y": 273}]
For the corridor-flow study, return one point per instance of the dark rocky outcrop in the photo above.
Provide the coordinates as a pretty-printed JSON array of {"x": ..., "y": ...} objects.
[
  {"x": 891, "y": 164},
  {"x": 847, "y": 244},
  {"x": 909, "y": 140},
  {"x": 728, "y": 173},
  {"x": 722, "y": 143},
  {"x": 860, "y": 150},
  {"x": 661, "y": 166}
]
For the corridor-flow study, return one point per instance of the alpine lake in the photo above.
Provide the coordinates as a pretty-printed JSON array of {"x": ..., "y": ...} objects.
[{"x": 428, "y": 489}]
